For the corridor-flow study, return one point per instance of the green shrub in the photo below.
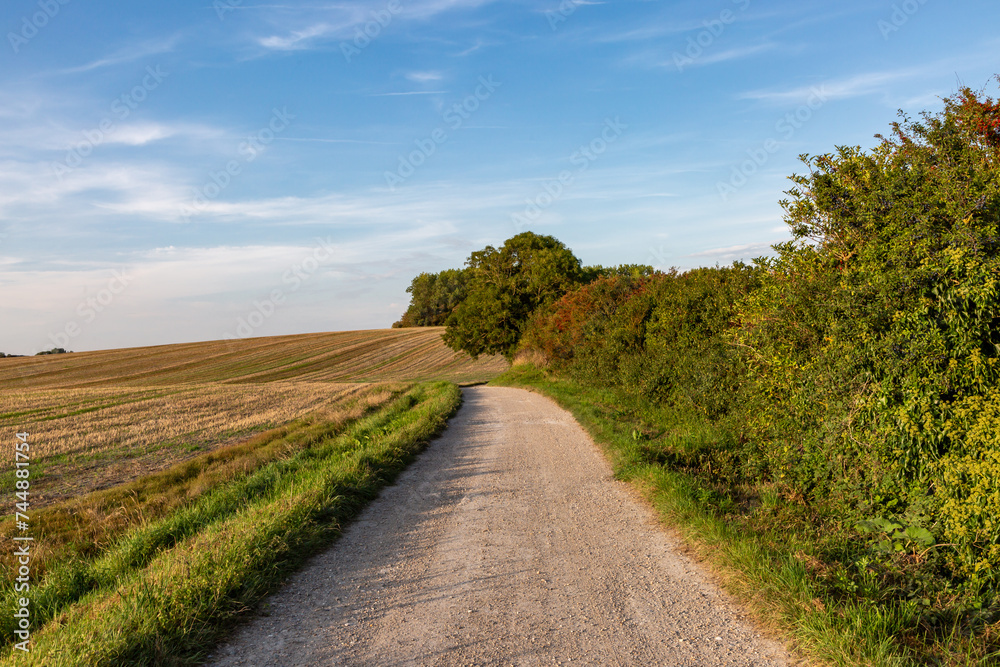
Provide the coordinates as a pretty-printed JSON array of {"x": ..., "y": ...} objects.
[{"x": 968, "y": 488}]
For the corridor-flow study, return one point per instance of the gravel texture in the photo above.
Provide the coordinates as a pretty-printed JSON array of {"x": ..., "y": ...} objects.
[{"x": 508, "y": 542}]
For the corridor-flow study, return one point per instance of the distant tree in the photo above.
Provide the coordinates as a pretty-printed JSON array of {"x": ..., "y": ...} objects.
[
  {"x": 505, "y": 287},
  {"x": 433, "y": 297},
  {"x": 55, "y": 350}
]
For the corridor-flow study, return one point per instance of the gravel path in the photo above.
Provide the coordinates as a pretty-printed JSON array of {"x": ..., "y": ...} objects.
[{"x": 508, "y": 542}]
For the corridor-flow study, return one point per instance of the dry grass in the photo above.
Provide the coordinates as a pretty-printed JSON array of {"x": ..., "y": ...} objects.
[
  {"x": 530, "y": 357},
  {"x": 416, "y": 354},
  {"x": 99, "y": 419}
]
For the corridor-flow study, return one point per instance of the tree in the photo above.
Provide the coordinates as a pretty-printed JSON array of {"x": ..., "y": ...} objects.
[
  {"x": 433, "y": 297},
  {"x": 506, "y": 286}
]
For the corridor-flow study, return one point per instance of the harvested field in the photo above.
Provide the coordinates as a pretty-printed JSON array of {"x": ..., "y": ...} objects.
[
  {"x": 90, "y": 439},
  {"x": 416, "y": 354}
]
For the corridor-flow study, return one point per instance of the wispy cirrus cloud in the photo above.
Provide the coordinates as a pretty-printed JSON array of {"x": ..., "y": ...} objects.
[
  {"x": 38, "y": 140},
  {"x": 127, "y": 54},
  {"x": 854, "y": 86},
  {"x": 882, "y": 82},
  {"x": 298, "y": 40},
  {"x": 313, "y": 26},
  {"x": 657, "y": 30},
  {"x": 739, "y": 53},
  {"x": 654, "y": 58},
  {"x": 409, "y": 92},
  {"x": 424, "y": 77}
]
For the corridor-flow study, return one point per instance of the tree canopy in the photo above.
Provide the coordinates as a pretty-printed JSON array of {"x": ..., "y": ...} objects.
[
  {"x": 506, "y": 285},
  {"x": 433, "y": 297}
]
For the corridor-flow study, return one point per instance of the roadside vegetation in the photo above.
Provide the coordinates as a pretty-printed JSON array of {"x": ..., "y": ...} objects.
[
  {"x": 824, "y": 422},
  {"x": 154, "y": 571}
]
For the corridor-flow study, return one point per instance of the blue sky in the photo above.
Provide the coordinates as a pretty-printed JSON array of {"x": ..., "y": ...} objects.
[{"x": 197, "y": 170}]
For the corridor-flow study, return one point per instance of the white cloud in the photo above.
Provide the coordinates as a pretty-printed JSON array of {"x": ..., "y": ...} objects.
[
  {"x": 745, "y": 251},
  {"x": 882, "y": 82},
  {"x": 654, "y": 30},
  {"x": 424, "y": 77},
  {"x": 313, "y": 26},
  {"x": 141, "y": 134},
  {"x": 297, "y": 40},
  {"x": 733, "y": 54},
  {"x": 410, "y": 92},
  {"x": 854, "y": 86},
  {"x": 199, "y": 293}
]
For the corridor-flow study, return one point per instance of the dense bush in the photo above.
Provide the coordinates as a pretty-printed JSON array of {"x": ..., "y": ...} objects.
[
  {"x": 875, "y": 340},
  {"x": 659, "y": 336},
  {"x": 857, "y": 370}
]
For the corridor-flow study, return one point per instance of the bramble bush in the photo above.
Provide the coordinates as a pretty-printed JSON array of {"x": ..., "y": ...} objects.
[{"x": 880, "y": 327}]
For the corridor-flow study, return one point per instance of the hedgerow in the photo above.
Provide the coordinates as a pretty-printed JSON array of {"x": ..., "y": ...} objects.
[{"x": 857, "y": 369}]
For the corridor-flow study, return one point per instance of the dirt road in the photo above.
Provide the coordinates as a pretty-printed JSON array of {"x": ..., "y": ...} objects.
[{"x": 507, "y": 543}]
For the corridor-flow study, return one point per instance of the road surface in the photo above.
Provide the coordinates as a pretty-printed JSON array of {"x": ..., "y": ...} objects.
[{"x": 508, "y": 542}]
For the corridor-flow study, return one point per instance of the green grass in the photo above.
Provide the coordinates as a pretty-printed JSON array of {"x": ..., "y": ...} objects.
[
  {"x": 771, "y": 552},
  {"x": 164, "y": 591}
]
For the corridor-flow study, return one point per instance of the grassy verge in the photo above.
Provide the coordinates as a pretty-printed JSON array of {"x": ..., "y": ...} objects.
[
  {"x": 82, "y": 527},
  {"x": 772, "y": 553},
  {"x": 167, "y": 589}
]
